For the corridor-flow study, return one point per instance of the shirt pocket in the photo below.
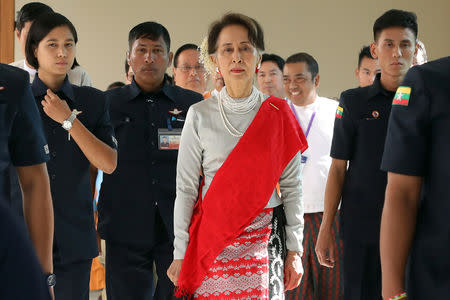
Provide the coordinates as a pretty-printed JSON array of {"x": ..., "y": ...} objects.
[{"x": 132, "y": 137}]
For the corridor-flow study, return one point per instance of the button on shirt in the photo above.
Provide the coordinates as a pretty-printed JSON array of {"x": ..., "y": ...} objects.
[
  {"x": 144, "y": 181},
  {"x": 418, "y": 144},
  {"x": 68, "y": 168},
  {"x": 315, "y": 169},
  {"x": 359, "y": 134}
]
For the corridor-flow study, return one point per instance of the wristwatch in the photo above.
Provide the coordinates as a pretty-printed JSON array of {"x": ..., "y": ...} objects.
[
  {"x": 67, "y": 124},
  {"x": 50, "y": 279}
]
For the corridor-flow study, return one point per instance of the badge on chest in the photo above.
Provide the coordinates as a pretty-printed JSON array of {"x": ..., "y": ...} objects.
[{"x": 169, "y": 139}]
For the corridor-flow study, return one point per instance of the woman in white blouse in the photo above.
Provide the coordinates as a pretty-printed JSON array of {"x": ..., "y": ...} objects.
[{"x": 233, "y": 242}]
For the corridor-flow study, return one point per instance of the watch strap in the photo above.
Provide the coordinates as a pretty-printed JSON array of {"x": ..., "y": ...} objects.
[{"x": 72, "y": 116}]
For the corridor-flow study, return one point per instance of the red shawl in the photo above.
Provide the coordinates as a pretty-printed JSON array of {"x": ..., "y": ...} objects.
[{"x": 240, "y": 189}]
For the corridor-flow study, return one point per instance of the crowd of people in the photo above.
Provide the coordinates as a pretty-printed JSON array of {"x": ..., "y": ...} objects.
[{"x": 235, "y": 193}]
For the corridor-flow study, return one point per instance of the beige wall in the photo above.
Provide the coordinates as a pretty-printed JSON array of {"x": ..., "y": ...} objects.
[{"x": 332, "y": 31}]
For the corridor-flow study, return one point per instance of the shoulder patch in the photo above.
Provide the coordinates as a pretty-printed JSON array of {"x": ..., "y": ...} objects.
[
  {"x": 339, "y": 112},
  {"x": 46, "y": 150},
  {"x": 402, "y": 96}
]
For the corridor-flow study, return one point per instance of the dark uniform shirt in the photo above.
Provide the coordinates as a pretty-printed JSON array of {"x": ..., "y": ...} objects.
[
  {"x": 418, "y": 144},
  {"x": 68, "y": 169},
  {"x": 359, "y": 135},
  {"x": 22, "y": 142},
  {"x": 143, "y": 186}
]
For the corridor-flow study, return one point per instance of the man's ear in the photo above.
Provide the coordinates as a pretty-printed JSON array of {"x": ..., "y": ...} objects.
[
  {"x": 373, "y": 50},
  {"x": 174, "y": 75},
  {"x": 170, "y": 58},
  {"x": 128, "y": 57},
  {"x": 316, "y": 80},
  {"x": 17, "y": 34},
  {"x": 357, "y": 72}
]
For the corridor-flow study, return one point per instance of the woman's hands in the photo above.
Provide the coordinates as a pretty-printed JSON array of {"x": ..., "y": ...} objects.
[
  {"x": 293, "y": 270},
  {"x": 55, "y": 108},
  {"x": 174, "y": 271}
]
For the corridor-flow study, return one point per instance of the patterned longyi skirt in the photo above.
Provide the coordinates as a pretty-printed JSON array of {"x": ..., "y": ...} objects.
[{"x": 252, "y": 266}]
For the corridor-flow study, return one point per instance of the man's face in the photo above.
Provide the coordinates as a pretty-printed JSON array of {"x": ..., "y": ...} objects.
[
  {"x": 395, "y": 50},
  {"x": 149, "y": 60},
  {"x": 299, "y": 85},
  {"x": 23, "y": 34},
  {"x": 270, "y": 79},
  {"x": 190, "y": 73},
  {"x": 367, "y": 71}
]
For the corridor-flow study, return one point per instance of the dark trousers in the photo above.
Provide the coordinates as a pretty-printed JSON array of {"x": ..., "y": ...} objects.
[
  {"x": 72, "y": 279},
  {"x": 362, "y": 271},
  {"x": 129, "y": 271}
]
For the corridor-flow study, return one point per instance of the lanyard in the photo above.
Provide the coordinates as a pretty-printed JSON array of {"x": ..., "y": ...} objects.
[{"x": 298, "y": 120}]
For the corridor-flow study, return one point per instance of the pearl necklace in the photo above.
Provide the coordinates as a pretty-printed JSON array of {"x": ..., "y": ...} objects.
[{"x": 240, "y": 106}]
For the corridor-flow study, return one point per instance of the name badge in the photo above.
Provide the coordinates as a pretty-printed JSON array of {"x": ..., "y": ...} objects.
[
  {"x": 169, "y": 139},
  {"x": 304, "y": 159}
]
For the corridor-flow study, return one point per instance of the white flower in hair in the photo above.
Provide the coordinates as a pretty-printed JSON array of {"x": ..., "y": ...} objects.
[{"x": 205, "y": 58}]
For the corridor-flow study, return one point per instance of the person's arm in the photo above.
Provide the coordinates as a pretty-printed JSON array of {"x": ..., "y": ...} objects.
[
  {"x": 398, "y": 225},
  {"x": 99, "y": 154},
  {"x": 325, "y": 246},
  {"x": 291, "y": 196},
  {"x": 189, "y": 168},
  {"x": 38, "y": 211}
]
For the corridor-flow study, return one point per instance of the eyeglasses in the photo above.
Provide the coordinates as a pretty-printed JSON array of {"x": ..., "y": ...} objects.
[{"x": 188, "y": 69}]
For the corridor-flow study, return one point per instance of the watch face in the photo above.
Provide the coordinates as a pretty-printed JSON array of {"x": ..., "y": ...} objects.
[
  {"x": 51, "y": 280},
  {"x": 66, "y": 125}
]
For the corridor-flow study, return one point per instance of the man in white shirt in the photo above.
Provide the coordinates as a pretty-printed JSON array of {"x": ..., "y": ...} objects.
[
  {"x": 25, "y": 17},
  {"x": 316, "y": 117}
]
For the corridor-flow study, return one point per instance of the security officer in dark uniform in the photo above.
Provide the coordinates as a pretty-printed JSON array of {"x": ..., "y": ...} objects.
[
  {"x": 359, "y": 133},
  {"x": 79, "y": 133},
  {"x": 417, "y": 206},
  {"x": 22, "y": 143},
  {"x": 136, "y": 202}
]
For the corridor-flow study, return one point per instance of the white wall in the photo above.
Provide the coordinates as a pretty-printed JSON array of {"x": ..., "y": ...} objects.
[{"x": 331, "y": 31}]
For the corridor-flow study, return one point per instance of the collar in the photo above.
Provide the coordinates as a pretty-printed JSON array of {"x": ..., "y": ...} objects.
[
  {"x": 39, "y": 88},
  {"x": 167, "y": 90},
  {"x": 376, "y": 88}
]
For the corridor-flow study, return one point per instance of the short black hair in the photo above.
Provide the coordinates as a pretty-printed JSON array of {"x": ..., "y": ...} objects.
[
  {"x": 29, "y": 13},
  {"x": 150, "y": 30},
  {"x": 395, "y": 18},
  {"x": 115, "y": 84},
  {"x": 181, "y": 49},
  {"x": 39, "y": 30},
  {"x": 364, "y": 52},
  {"x": 313, "y": 66},
  {"x": 274, "y": 58}
]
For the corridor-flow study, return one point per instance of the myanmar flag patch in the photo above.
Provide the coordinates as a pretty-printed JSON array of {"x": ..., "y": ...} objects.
[
  {"x": 402, "y": 96},
  {"x": 339, "y": 112}
]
